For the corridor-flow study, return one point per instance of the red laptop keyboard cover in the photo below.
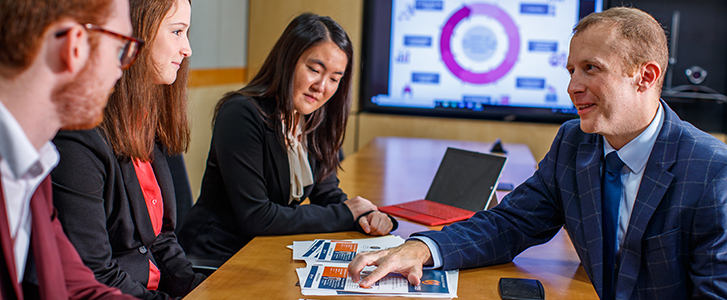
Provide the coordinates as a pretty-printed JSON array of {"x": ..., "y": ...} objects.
[{"x": 428, "y": 212}]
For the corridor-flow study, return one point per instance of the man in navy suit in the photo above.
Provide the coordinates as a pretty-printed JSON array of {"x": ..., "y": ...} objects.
[
  {"x": 669, "y": 213},
  {"x": 58, "y": 63}
]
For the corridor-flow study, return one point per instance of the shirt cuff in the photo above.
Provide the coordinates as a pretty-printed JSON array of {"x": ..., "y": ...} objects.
[{"x": 433, "y": 249}]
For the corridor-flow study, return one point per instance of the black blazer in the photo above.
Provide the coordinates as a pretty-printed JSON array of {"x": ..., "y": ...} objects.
[
  {"x": 103, "y": 212},
  {"x": 246, "y": 187}
]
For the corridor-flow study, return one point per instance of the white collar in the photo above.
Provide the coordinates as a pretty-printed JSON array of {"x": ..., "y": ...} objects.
[{"x": 19, "y": 153}]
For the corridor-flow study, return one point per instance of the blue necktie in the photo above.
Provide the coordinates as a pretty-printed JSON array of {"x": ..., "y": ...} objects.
[{"x": 610, "y": 200}]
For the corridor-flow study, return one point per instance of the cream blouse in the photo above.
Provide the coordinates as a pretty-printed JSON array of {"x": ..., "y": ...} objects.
[{"x": 300, "y": 171}]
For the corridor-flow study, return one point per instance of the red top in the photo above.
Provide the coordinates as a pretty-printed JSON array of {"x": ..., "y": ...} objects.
[{"x": 154, "y": 204}]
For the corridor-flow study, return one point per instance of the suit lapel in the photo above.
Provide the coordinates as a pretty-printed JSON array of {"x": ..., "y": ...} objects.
[
  {"x": 280, "y": 160},
  {"x": 137, "y": 202},
  {"x": 8, "y": 275},
  {"x": 278, "y": 153},
  {"x": 588, "y": 178},
  {"x": 43, "y": 243},
  {"x": 653, "y": 187},
  {"x": 166, "y": 184}
]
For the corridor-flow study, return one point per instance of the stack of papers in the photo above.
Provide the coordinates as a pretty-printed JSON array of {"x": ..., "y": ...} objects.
[
  {"x": 341, "y": 250},
  {"x": 333, "y": 279},
  {"x": 326, "y": 271}
]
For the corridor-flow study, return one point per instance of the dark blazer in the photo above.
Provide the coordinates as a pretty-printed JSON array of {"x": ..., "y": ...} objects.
[
  {"x": 103, "y": 211},
  {"x": 676, "y": 240},
  {"x": 58, "y": 269},
  {"x": 246, "y": 187}
]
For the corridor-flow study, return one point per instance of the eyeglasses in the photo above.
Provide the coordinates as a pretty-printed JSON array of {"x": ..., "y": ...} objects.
[{"x": 128, "y": 54}]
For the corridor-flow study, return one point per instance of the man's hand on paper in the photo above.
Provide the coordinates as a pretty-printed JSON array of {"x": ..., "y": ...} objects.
[
  {"x": 376, "y": 223},
  {"x": 406, "y": 260}
]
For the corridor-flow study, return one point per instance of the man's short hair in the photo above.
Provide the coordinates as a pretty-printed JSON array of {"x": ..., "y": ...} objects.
[
  {"x": 23, "y": 24},
  {"x": 644, "y": 38}
]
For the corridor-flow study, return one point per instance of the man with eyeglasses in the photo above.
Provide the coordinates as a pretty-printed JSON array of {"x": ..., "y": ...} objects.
[{"x": 58, "y": 65}]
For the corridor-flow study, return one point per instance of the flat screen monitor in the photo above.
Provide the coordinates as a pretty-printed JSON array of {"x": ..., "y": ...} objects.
[{"x": 475, "y": 59}]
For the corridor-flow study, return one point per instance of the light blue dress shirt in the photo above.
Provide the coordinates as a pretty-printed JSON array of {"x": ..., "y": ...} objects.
[{"x": 635, "y": 154}]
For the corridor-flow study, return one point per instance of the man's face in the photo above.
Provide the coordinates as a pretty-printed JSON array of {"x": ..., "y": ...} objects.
[
  {"x": 81, "y": 101},
  {"x": 606, "y": 97}
]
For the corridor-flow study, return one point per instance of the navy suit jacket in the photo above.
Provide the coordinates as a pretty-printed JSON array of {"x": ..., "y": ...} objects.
[{"x": 675, "y": 246}]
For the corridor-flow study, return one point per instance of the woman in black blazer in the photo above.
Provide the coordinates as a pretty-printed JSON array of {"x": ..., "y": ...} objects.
[
  {"x": 275, "y": 144},
  {"x": 113, "y": 188}
]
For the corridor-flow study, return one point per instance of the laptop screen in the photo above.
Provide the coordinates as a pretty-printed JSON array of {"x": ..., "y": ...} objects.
[{"x": 466, "y": 179}]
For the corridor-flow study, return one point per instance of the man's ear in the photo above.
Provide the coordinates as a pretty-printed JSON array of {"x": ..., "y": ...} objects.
[
  {"x": 75, "y": 49},
  {"x": 650, "y": 72}
]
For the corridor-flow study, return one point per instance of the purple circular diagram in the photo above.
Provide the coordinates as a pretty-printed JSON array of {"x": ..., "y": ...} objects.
[{"x": 512, "y": 51}]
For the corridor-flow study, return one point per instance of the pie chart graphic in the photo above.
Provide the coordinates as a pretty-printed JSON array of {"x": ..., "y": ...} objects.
[{"x": 499, "y": 16}]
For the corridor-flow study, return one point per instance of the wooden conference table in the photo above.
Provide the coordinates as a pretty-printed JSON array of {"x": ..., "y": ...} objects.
[{"x": 388, "y": 171}]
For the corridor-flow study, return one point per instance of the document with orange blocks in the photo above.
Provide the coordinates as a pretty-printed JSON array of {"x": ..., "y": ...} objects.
[
  {"x": 326, "y": 272},
  {"x": 333, "y": 279},
  {"x": 341, "y": 250}
]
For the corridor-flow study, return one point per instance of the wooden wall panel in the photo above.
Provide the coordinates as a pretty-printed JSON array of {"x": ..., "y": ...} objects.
[
  {"x": 205, "y": 77},
  {"x": 202, "y": 101},
  {"x": 268, "y": 19}
]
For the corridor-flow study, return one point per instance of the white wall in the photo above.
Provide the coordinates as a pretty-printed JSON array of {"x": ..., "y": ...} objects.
[{"x": 218, "y": 34}]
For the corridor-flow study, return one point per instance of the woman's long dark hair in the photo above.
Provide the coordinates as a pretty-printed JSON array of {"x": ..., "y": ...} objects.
[{"x": 325, "y": 128}]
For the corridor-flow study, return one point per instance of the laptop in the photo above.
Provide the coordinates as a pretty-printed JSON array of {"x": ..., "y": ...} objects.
[{"x": 465, "y": 183}]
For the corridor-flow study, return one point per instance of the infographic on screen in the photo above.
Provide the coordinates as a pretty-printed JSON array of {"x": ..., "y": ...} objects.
[{"x": 470, "y": 54}]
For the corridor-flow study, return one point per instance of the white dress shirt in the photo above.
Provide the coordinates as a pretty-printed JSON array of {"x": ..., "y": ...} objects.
[
  {"x": 23, "y": 168},
  {"x": 635, "y": 154}
]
